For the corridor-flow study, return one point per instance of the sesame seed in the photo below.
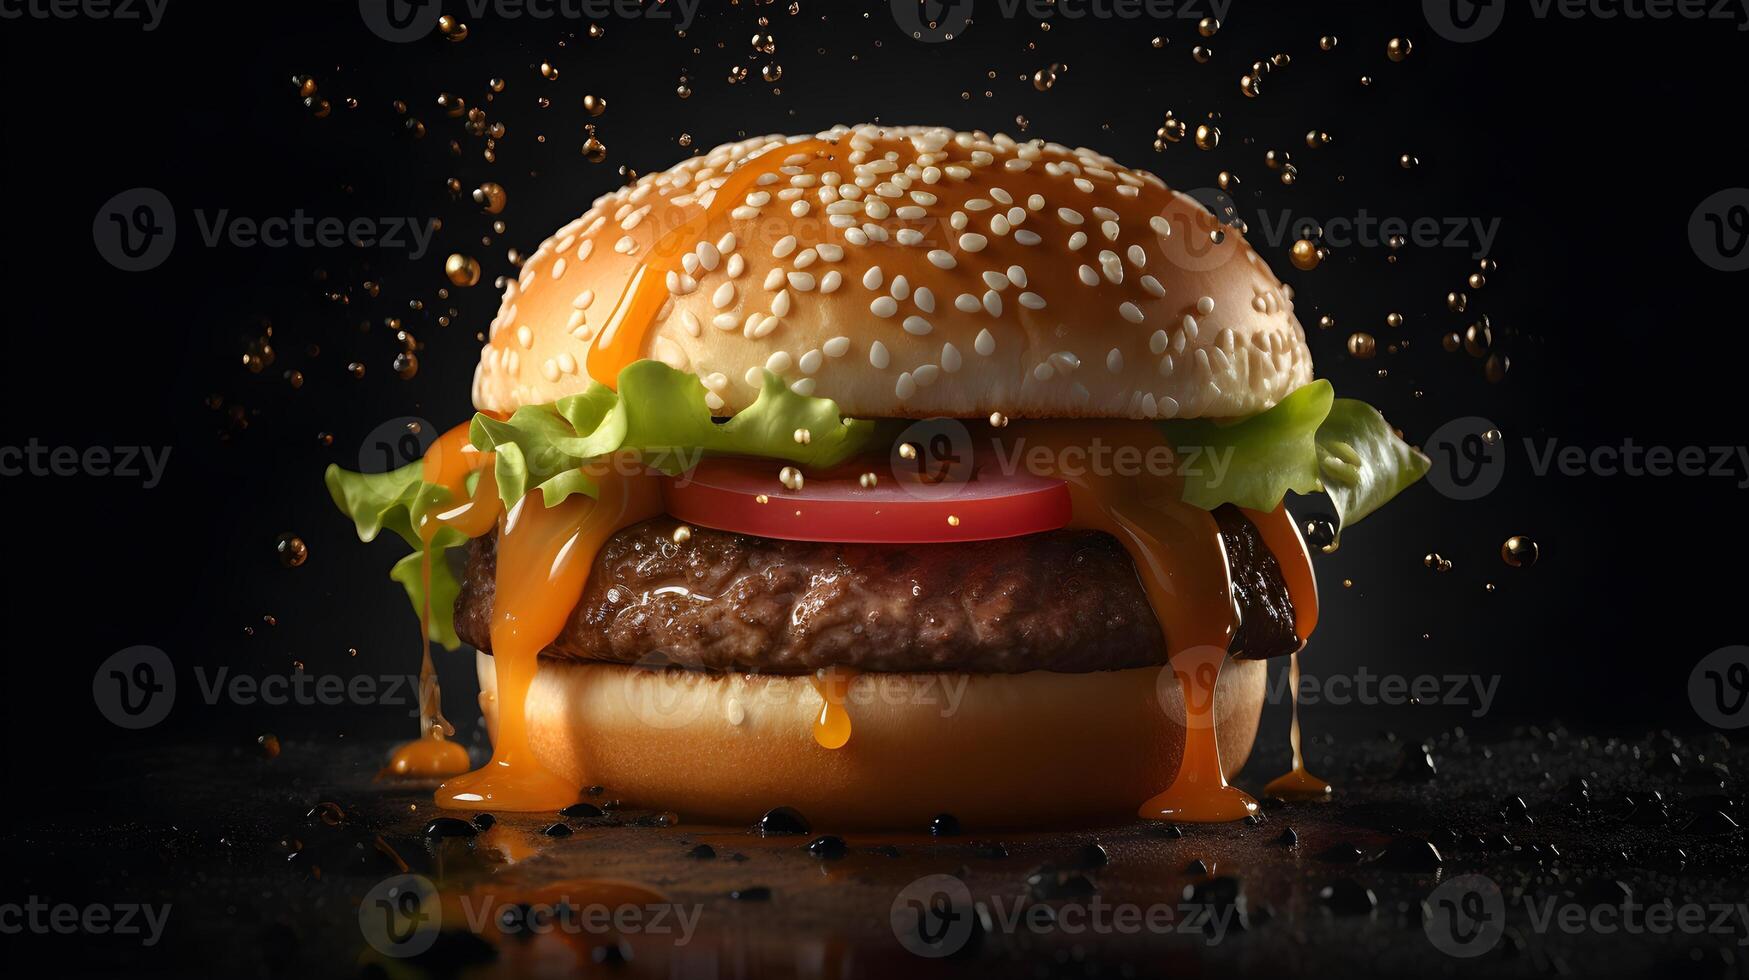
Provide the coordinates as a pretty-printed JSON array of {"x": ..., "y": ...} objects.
[
  {"x": 765, "y": 326},
  {"x": 908, "y": 236},
  {"x": 780, "y": 303},
  {"x": 942, "y": 259},
  {"x": 830, "y": 282},
  {"x": 811, "y": 361},
  {"x": 784, "y": 247},
  {"x": 1027, "y": 237},
  {"x": 1088, "y": 276},
  {"x": 872, "y": 278},
  {"x": 830, "y": 252},
  {"x": 924, "y": 299},
  {"x": 917, "y": 325},
  {"x": 774, "y": 279},
  {"x": 1070, "y": 216},
  {"x": 1205, "y": 305},
  {"x": 985, "y": 344},
  {"x": 806, "y": 257},
  {"x": 724, "y": 296},
  {"x": 801, "y": 281},
  {"x": 736, "y": 266},
  {"x": 1043, "y": 372},
  {"x": 778, "y": 362},
  {"x": 836, "y": 347},
  {"x": 1032, "y": 301},
  {"x": 925, "y": 375},
  {"x": 884, "y": 306},
  {"x": 1161, "y": 226},
  {"x": 1035, "y": 202},
  {"x": 950, "y": 358},
  {"x": 995, "y": 280},
  {"x": 993, "y": 302},
  {"x": 1153, "y": 286},
  {"x": 1077, "y": 240},
  {"x": 1131, "y": 312},
  {"x": 725, "y": 321},
  {"x": 878, "y": 356},
  {"x": 901, "y": 287},
  {"x": 1157, "y": 343},
  {"x": 973, "y": 242},
  {"x": 905, "y": 387},
  {"x": 966, "y": 303},
  {"x": 1114, "y": 361},
  {"x": 525, "y": 336}
]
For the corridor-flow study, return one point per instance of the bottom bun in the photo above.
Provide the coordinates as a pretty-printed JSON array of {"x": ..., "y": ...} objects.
[{"x": 995, "y": 750}]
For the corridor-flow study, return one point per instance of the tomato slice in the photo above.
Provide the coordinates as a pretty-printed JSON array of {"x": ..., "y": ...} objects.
[{"x": 746, "y": 496}]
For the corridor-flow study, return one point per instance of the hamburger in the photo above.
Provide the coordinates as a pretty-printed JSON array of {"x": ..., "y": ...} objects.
[{"x": 881, "y": 473}]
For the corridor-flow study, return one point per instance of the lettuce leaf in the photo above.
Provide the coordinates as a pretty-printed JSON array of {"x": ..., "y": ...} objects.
[
  {"x": 1310, "y": 441},
  {"x": 395, "y": 500},
  {"x": 660, "y": 413}
]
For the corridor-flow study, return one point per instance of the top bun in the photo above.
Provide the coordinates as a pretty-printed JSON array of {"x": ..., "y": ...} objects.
[{"x": 905, "y": 272}]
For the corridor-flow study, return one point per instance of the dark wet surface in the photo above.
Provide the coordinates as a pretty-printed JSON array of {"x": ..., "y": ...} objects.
[{"x": 263, "y": 879}]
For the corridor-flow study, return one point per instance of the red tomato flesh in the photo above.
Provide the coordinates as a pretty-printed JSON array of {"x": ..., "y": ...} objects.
[{"x": 744, "y": 495}]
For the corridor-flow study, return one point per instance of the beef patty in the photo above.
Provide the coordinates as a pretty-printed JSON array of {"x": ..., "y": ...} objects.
[{"x": 1066, "y": 600}]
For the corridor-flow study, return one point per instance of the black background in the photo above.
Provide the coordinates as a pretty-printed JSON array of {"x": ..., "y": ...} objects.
[{"x": 1592, "y": 141}]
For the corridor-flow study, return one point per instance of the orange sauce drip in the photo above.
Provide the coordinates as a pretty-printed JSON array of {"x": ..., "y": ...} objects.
[
  {"x": 832, "y": 727},
  {"x": 1178, "y": 553},
  {"x": 447, "y": 463},
  {"x": 544, "y": 558},
  {"x": 1283, "y": 538},
  {"x": 624, "y": 336},
  {"x": 1297, "y": 783}
]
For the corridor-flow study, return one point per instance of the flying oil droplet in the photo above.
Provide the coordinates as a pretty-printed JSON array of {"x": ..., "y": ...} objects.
[
  {"x": 1362, "y": 345},
  {"x": 291, "y": 550},
  {"x": 1519, "y": 551},
  {"x": 462, "y": 270},
  {"x": 490, "y": 197}
]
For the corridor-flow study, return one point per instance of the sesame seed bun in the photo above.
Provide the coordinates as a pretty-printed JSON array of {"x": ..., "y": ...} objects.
[
  {"x": 995, "y": 750},
  {"x": 908, "y": 272}
]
